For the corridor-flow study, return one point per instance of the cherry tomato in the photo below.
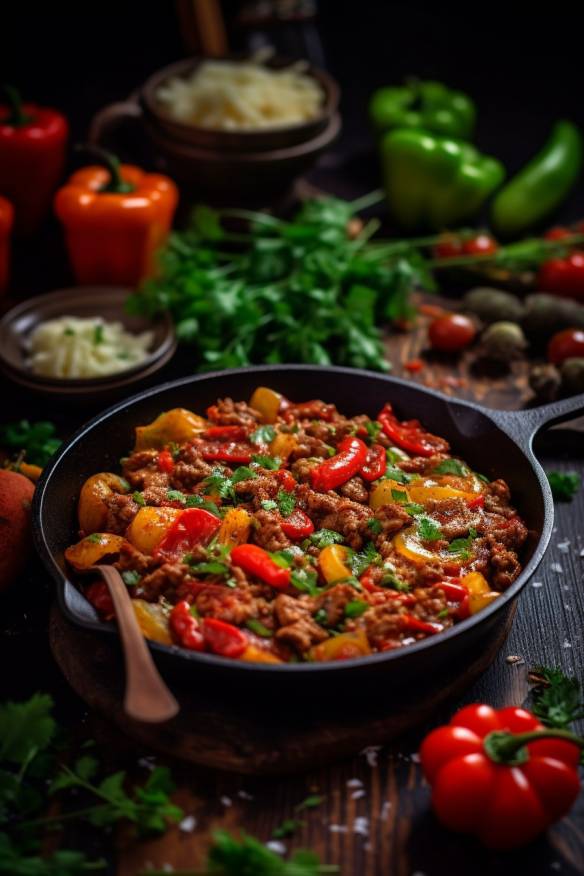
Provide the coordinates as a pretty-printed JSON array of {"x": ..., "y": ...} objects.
[
  {"x": 451, "y": 333},
  {"x": 558, "y": 233},
  {"x": 481, "y": 244},
  {"x": 567, "y": 344},
  {"x": 448, "y": 247},
  {"x": 564, "y": 277}
]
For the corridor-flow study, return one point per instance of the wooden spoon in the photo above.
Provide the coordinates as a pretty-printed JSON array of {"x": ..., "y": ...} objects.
[{"x": 147, "y": 697}]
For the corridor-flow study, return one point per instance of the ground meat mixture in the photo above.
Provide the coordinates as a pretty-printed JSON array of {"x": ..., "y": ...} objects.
[{"x": 271, "y": 538}]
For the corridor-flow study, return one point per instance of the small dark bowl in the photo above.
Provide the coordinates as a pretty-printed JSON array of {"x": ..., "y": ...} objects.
[
  {"x": 82, "y": 301},
  {"x": 259, "y": 140}
]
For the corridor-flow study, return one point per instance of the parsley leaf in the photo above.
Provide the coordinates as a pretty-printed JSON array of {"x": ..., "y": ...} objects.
[
  {"x": 269, "y": 505},
  {"x": 263, "y": 435},
  {"x": 26, "y": 728},
  {"x": 463, "y": 546},
  {"x": 194, "y": 500},
  {"x": 428, "y": 530},
  {"x": 63, "y": 862},
  {"x": 270, "y": 462},
  {"x": 356, "y": 608},
  {"x": 258, "y": 628},
  {"x": 391, "y": 579},
  {"x": 139, "y": 499},
  {"x": 363, "y": 559},
  {"x": 131, "y": 577},
  {"x": 557, "y": 698},
  {"x": 452, "y": 466},
  {"x": 396, "y": 474},
  {"x": 373, "y": 429},
  {"x": 564, "y": 484},
  {"x": 286, "y": 503},
  {"x": 374, "y": 525},
  {"x": 243, "y": 473},
  {"x": 305, "y": 580},
  {"x": 323, "y": 537},
  {"x": 36, "y": 439}
]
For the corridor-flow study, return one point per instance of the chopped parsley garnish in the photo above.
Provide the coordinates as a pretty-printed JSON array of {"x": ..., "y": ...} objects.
[
  {"x": 363, "y": 559},
  {"x": 452, "y": 467},
  {"x": 243, "y": 473},
  {"x": 482, "y": 477},
  {"x": 258, "y": 628},
  {"x": 396, "y": 474},
  {"x": 270, "y": 462},
  {"x": 564, "y": 484},
  {"x": 395, "y": 455},
  {"x": 220, "y": 484},
  {"x": 269, "y": 505},
  {"x": 373, "y": 429},
  {"x": 98, "y": 334},
  {"x": 399, "y": 496},
  {"x": 138, "y": 498},
  {"x": 194, "y": 500},
  {"x": 374, "y": 525},
  {"x": 212, "y": 567},
  {"x": 174, "y": 450},
  {"x": 321, "y": 617},
  {"x": 305, "y": 580},
  {"x": 463, "y": 546},
  {"x": 94, "y": 538},
  {"x": 263, "y": 435},
  {"x": 356, "y": 608},
  {"x": 286, "y": 503},
  {"x": 283, "y": 558},
  {"x": 391, "y": 579},
  {"x": 428, "y": 530},
  {"x": 443, "y": 614},
  {"x": 324, "y": 537},
  {"x": 131, "y": 577}
]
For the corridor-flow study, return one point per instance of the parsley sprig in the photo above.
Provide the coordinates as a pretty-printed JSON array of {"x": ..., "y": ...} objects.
[
  {"x": 37, "y": 440},
  {"x": 557, "y": 698}
]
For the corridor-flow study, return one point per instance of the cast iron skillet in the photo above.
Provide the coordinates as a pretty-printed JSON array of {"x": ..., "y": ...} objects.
[{"x": 497, "y": 443}]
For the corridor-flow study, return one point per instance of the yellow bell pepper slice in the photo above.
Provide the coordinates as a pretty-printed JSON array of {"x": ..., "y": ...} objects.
[
  {"x": 177, "y": 425},
  {"x": 149, "y": 527},
  {"x": 428, "y": 489},
  {"x": 235, "y": 527},
  {"x": 93, "y": 548},
  {"x": 267, "y": 402},
  {"x": 283, "y": 444},
  {"x": 475, "y": 583},
  {"x": 343, "y": 647},
  {"x": 92, "y": 509},
  {"x": 253, "y": 654},
  {"x": 332, "y": 563},
  {"x": 152, "y": 621},
  {"x": 382, "y": 493},
  {"x": 478, "y": 601},
  {"x": 408, "y": 544}
]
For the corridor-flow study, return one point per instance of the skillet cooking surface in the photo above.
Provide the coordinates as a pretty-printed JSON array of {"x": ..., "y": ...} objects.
[{"x": 472, "y": 432}]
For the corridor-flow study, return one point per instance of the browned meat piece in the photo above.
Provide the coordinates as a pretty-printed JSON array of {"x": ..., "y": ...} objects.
[
  {"x": 156, "y": 494},
  {"x": 163, "y": 580},
  {"x": 289, "y": 609},
  {"x": 316, "y": 504},
  {"x": 233, "y": 606},
  {"x": 302, "y": 634},
  {"x": 139, "y": 459},
  {"x": 510, "y": 532},
  {"x": 334, "y": 600},
  {"x": 384, "y": 625},
  {"x": 189, "y": 470},
  {"x": 504, "y": 565},
  {"x": 430, "y": 603},
  {"x": 229, "y": 413},
  {"x": 326, "y": 432},
  {"x": 392, "y": 518},
  {"x": 131, "y": 559},
  {"x": 310, "y": 447},
  {"x": 421, "y": 464},
  {"x": 267, "y": 531},
  {"x": 121, "y": 511},
  {"x": 497, "y": 498},
  {"x": 350, "y": 519},
  {"x": 454, "y": 516},
  {"x": 355, "y": 489},
  {"x": 259, "y": 489},
  {"x": 302, "y": 467},
  {"x": 141, "y": 470}
]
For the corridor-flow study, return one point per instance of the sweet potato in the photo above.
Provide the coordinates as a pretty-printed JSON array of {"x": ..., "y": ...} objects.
[{"x": 16, "y": 493}]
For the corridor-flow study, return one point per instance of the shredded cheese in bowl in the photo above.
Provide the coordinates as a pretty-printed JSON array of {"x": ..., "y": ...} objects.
[
  {"x": 238, "y": 95},
  {"x": 73, "y": 347}
]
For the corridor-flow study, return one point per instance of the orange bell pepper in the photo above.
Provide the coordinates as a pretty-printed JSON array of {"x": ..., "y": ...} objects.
[
  {"x": 115, "y": 218},
  {"x": 6, "y": 221}
]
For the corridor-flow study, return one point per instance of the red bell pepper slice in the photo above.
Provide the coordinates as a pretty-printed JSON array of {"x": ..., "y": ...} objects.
[
  {"x": 351, "y": 456},
  {"x": 297, "y": 525},
  {"x": 226, "y": 452},
  {"x": 453, "y": 592},
  {"x": 413, "y": 623},
  {"x": 479, "y": 502},
  {"x": 375, "y": 464},
  {"x": 99, "y": 596},
  {"x": 285, "y": 478},
  {"x": 223, "y": 638},
  {"x": 225, "y": 433},
  {"x": 256, "y": 561},
  {"x": 410, "y": 436},
  {"x": 193, "y": 527},
  {"x": 165, "y": 462},
  {"x": 186, "y": 627}
]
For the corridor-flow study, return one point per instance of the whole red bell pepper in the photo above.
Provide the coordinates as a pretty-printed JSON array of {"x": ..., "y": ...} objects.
[
  {"x": 193, "y": 527},
  {"x": 33, "y": 141},
  {"x": 257, "y": 562},
  {"x": 185, "y": 627},
  {"x": 223, "y": 638},
  {"x": 6, "y": 222},
  {"x": 500, "y": 775},
  {"x": 116, "y": 217},
  {"x": 297, "y": 525},
  {"x": 375, "y": 464},
  {"x": 409, "y": 435},
  {"x": 563, "y": 277},
  {"x": 345, "y": 464}
]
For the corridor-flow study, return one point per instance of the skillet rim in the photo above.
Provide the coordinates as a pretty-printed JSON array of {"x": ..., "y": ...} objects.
[{"x": 298, "y": 669}]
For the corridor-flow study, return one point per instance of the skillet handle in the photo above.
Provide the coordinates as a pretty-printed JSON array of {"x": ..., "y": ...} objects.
[{"x": 523, "y": 426}]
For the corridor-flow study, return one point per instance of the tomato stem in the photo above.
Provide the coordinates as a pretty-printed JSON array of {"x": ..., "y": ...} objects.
[
  {"x": 115, "y": 185},
  {"x": 509, "y": 748}
]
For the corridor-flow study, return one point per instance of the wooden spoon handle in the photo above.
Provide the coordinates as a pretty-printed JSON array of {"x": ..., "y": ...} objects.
[{"x": 147, "y": 697}]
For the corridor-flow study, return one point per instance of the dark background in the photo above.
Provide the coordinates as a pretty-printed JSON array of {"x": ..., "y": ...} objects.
[{"x": 523, "y": 67}]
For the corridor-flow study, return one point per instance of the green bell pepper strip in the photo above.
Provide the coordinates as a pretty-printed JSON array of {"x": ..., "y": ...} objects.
[
  {"x": 435, "y": 182},
  {"x": 541, "y": 185},
  {"x": 429, "y": 106}
]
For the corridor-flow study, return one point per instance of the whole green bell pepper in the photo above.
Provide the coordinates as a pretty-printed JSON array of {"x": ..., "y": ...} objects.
[
  {"x": 435, "y": 182},
  {"x": 429, "y": 106}
]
